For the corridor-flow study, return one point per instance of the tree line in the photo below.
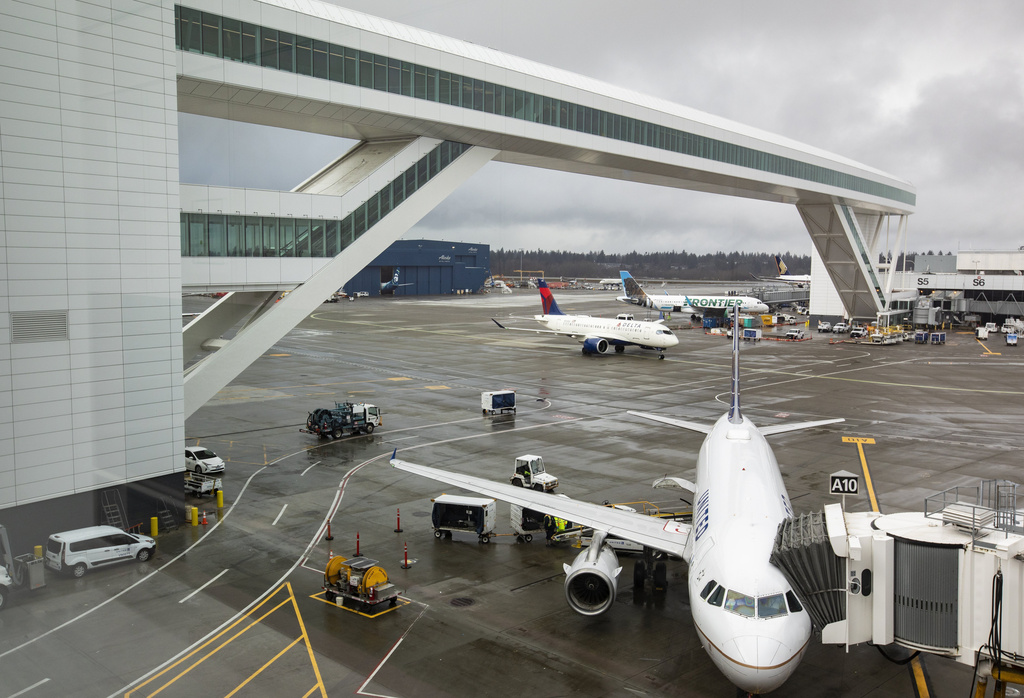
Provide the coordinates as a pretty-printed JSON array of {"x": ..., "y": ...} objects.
[{"x": 714, "y": 266}]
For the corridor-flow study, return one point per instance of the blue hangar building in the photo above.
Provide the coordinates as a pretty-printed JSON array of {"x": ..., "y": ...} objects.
[{"x": 424, "y": 268}]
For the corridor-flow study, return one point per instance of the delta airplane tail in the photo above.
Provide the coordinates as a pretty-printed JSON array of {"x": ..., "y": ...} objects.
[{"x": 547, "y": 301}]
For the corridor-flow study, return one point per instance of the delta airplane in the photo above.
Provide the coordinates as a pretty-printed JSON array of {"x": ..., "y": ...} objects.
[
  {"x": 798, "y": 280},
  {"x": 749, "y": 620},
  {"x": 390, "y": 286},
  {"x": 599, "y": 335},
  {"x": 697, "y": 305}
]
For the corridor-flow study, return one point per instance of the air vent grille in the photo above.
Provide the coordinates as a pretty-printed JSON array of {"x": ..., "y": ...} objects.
[{"x": 39, "y": 326}]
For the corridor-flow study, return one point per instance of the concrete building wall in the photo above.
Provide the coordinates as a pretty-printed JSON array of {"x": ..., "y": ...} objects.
[{"x": 90, "y": 305}]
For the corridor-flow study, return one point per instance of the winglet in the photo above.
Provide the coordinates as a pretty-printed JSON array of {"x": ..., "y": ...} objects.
[
  {"x": 393, "y": 455},
  {"x": 734, "y": 407},
  {"x": 498, "y": 324}
]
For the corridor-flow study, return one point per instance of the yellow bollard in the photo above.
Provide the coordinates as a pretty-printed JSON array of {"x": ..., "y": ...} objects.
[
  {"x": 154, "y": 527},
  {"x": 195, "y": 516},
  {"x": 38, "y": 551},
  {"x": 220, "y": 499}
]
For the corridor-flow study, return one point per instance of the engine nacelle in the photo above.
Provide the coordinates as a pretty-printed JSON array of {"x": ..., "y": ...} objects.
[
  {"x": 595, "y": 345},
  {"x": 591, "y": 580}
]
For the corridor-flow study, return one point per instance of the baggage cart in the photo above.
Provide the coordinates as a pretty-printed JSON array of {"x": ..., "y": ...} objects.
[
  {"x": 201, "y": 483},
  {"x": 452, "y": 513},
  {"x": 498, "y": 402}
]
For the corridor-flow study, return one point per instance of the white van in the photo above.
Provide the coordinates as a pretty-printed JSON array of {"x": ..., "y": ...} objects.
[{"x": 85, "y": 548}]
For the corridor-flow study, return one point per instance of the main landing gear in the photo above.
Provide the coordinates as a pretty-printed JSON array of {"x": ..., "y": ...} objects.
[{"x": 648, "y": 570}]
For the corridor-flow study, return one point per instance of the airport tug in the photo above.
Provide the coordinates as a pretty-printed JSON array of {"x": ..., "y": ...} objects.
[{"x": 358, "y": 583}]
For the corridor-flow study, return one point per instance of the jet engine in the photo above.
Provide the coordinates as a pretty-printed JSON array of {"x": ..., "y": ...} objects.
[
  {"x": 591, "y": 579},
  {"x": 595, "y": 345}
]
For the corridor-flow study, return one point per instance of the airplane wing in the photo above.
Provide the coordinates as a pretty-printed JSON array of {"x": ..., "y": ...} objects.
[
  {"x": 659, "y": 534},
  {"x": 535, "y": 331},
  {"x": 671, "y": 421},
  {"x": 795, "y": 426}
]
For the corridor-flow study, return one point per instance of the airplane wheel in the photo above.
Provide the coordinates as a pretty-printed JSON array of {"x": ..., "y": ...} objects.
[
  {"x": 661, "y": 356},
  {"x": 437, "y": 533},
  {"x": 660, "y": 577},
  {"x": 528, "y": 538},
  {"x": 639, "y": 574}
]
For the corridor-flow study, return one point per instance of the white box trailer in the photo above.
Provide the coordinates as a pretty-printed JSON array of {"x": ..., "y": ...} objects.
[
  {"x": 498, "y": 402},
  {"x": 467, "y": 514}
]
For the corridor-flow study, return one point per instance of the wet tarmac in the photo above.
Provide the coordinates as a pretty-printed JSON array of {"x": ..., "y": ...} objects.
[{"x": 233, "y": 605}]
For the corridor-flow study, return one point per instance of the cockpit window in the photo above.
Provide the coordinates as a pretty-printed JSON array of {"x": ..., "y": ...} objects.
[
  {"x": 771, "y": 606},
  {"x": 794, "y": 605},
  {"x": 716, "y": 596},
  {"x": 707, "y": 589},
  {"x": 740, "y": 604}
]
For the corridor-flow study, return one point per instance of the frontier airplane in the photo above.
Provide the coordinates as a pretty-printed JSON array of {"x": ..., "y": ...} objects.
[
  {"x": 749, "y": 620},
  {"x": 697, "y": 305},
  {"x": 599, "y": 335}
]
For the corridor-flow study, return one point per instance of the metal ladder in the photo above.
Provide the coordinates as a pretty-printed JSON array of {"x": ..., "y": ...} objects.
[
  {"x": 168, "y": 521},
  {"x": 113, "y": 510}
]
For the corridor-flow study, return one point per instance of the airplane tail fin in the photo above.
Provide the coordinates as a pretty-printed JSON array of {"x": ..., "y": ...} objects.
[
  {"x": 632, "y": 289},
  {"x": 781, "y": 266},
  {"x": 547, "y": 301},
  {"x": 395, "y": 278},
  {"x": 734, "y": 406}
]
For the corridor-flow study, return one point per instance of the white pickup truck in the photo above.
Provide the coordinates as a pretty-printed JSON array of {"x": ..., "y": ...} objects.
[
  {"x": 796, "y": 334},
  {"x": 824, "y": 326}
]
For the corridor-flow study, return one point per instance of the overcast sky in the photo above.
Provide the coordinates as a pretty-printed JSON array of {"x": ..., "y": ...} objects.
[{"x": 929, "y": 91}]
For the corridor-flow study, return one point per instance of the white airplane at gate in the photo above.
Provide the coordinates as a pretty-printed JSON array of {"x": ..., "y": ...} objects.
[
  {"x": 749, "y": 620},
  {"x": 698, "y": 305},
  {"x": 599, "y": 335}
]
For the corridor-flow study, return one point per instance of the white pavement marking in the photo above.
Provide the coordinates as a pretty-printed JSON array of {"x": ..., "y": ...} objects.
[
  {"x": 37, "y": 684},
  {"x": 310, "y": 467},
  {"x": 279, "y": 515},
  {"x": 203, "y": 587}
]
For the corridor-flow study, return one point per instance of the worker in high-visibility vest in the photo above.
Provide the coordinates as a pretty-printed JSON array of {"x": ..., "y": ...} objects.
[{"x": 549, "y": 528}]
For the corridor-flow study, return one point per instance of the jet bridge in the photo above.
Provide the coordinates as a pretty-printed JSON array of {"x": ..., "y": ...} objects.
[{"x": 948, "y": 580}]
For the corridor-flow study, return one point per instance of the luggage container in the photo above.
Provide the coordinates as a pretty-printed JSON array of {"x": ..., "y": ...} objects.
[
  {"x": 526, "y": 523},
  {"x": 466, "y": 514},
  {"x": 498, "y": 402},
  {"x": 751, "y": 334},
  {"x": 981, "y": 332},
  {"x": 1011, "y": 339},
  {"x": 938, "y": 337}
]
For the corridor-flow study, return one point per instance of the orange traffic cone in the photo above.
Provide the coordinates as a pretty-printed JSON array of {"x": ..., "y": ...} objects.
[{"x": 204, "y": 519}]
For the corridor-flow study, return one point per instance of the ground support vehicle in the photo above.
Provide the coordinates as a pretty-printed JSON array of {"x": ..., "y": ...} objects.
[
  {"x": 498, "y": 402},
  {"x": 530, "y": 473},
  {"x": 920, "y": 336},
  {"x": 466, "y": 514},
  {"x": 1011, "y": 339},
  {"x": 199, "y": 484},
  {"x": 345, "y": 418},
  {"x": 96, "y": 546},
  {"x": 938, "y": 337},
  {"x": 795, "y": 335},
  {"x": 840, "y": 328},
  {"x": 751, "y": 334},
  {"x": 824, "y": 326},
  {"x": 981, "y": 333},
  {"x": 203, "y": 460},
  {"x": 859, "y": 332},
  {"x": 358, "y": 583},
  {"x": 527, "y": 523}
]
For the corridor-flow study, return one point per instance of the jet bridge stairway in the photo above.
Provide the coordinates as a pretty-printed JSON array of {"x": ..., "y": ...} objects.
[{"x": 945, "y": 581}]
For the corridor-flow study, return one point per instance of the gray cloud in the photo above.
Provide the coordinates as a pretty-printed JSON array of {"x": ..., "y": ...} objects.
[{"x": 929, "y": 91}]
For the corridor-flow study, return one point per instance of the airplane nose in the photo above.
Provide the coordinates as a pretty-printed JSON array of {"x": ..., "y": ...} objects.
[{"x": 759, "y": 664}]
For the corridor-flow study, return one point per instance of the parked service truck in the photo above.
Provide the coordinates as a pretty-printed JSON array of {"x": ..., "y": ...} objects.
[
  {"x": 345, "y": 418},
  {"x": 498, "y": 402},
  {"x": 530, "y": 473}
]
